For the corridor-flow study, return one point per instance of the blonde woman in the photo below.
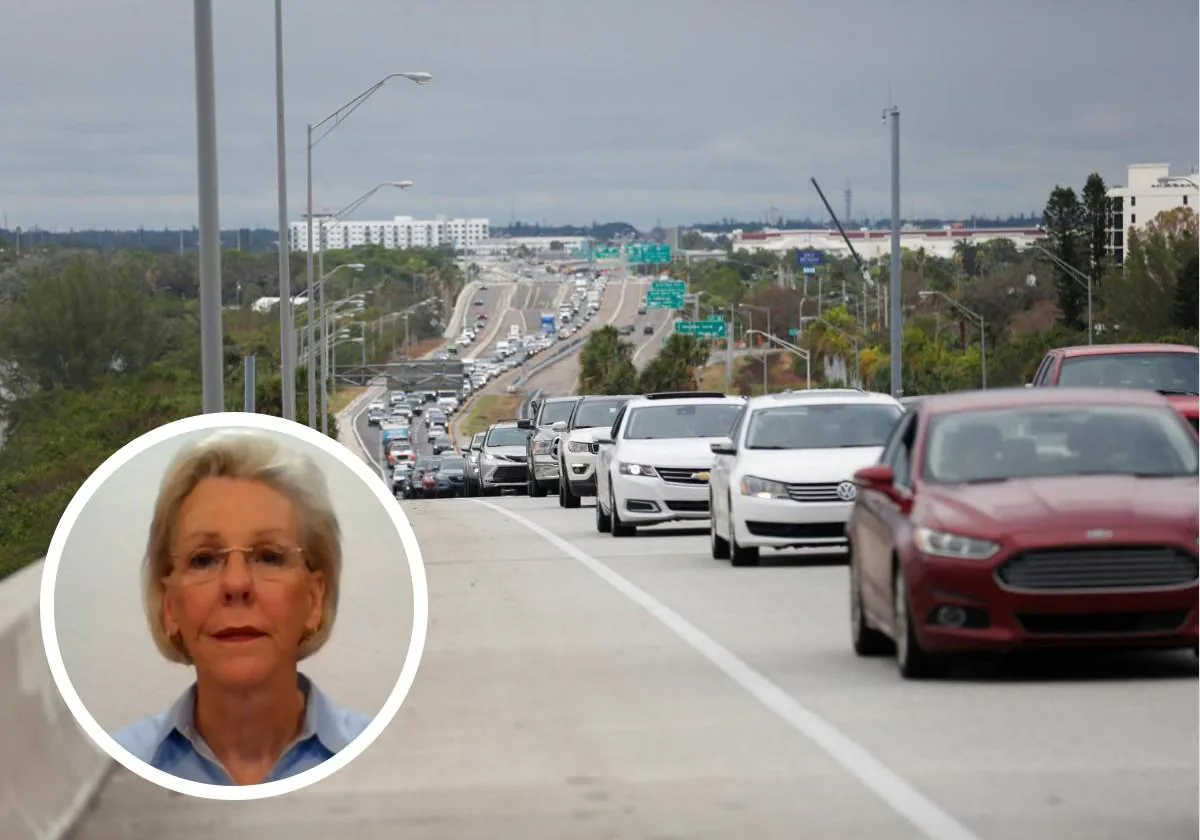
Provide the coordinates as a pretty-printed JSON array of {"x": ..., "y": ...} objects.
[{"x": 241, "y": 583}]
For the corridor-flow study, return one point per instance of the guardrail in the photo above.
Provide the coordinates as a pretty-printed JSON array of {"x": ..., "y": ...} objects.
[{"x": 553, "y": 358}]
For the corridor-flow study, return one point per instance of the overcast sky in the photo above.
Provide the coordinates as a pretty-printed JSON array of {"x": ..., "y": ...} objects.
[{"x": 570, "y": 111}]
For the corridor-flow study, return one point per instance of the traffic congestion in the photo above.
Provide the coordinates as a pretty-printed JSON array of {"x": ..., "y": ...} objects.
[{"x": 1063, "y": 515}]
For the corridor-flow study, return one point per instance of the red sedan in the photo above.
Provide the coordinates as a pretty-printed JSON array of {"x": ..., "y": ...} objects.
[{"x": 1027, "y": 518}]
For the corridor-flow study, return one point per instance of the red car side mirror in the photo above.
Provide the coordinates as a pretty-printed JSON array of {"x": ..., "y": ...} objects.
[{"x": 876, "y": 477}]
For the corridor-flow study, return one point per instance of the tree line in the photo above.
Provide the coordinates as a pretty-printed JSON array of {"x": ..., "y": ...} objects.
[
  {"x": 1027, "y": 300},
  {"x": 98, "y": 348}
]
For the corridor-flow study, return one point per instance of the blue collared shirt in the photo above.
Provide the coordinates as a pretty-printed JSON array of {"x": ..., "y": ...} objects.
[{"x": 170, "y": 742}]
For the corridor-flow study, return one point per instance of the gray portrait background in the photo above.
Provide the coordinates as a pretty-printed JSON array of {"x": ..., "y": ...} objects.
[{"x": 102, "y": 631}]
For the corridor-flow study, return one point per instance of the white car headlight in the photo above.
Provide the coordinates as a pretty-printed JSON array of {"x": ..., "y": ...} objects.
[
  {"x": 578, "y": 446},
  {"x": 763, "y": 488},
  {"x": 637, "y": 469},
  {"x": 542, "y": 446},
  {"x": 941, "y": 544}
]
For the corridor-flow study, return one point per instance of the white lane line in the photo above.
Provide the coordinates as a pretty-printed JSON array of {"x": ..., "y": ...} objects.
[{"x": 903, "y": 798}]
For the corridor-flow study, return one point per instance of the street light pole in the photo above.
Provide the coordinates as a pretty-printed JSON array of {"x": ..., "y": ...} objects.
[
  {"x": 336, "y": 118},
  {"x": 312, "y": 373},
  {"x": 1076, "y": 275},
  {"x": 974, "y": 316},
  {"x": 896, "y": 298},
  {"x": 212, "y": 350},
  {"x": 287, "y": 348}
]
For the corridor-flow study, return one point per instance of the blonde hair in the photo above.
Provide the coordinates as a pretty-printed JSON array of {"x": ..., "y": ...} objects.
[{"x": 253, "y": 456}]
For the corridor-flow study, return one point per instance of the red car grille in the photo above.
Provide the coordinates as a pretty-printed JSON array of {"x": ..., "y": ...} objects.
[{"x": 1132, "y": 567}]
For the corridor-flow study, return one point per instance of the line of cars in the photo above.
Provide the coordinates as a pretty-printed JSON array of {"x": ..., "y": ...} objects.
[{"x": 1057, "y": 516}]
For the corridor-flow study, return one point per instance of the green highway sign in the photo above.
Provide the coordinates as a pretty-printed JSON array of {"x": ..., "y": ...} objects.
[
  {"x": 701, "y": 329},
  {"x": 606, "y": 252},
  {"x": 666, "y": 294},
  {"x": 648, "y": 253}
]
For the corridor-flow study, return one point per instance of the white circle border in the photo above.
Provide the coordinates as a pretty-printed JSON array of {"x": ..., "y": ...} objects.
[{"x": 412, "y": 660}]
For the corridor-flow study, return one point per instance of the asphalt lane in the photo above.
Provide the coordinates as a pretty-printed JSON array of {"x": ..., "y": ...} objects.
[
  {"x": 617, "y": 310},
  {"x": 580, "y": 686}
]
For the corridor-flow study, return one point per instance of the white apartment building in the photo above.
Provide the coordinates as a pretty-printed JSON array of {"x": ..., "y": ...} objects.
[
  {"x": 400, "y": 232},
  {"x": 1149, "y": 189},
  {"x": 877, "y": 244}
]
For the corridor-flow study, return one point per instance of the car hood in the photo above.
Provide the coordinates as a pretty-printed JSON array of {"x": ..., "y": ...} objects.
[
  {"x": 588, "y": 434},
  {"x": 1163, "y": 506},
  {"x": 685, "y": 452},
  {"x": 515, "y": 453},
  {"x": 807, "y": 466}
]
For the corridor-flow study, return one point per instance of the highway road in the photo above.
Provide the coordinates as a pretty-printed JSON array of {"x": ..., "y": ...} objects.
[{"x": 577, "y": 686}]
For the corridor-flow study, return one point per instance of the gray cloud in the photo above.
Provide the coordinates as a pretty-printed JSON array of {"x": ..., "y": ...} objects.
[{"x": 672, "y": 110}]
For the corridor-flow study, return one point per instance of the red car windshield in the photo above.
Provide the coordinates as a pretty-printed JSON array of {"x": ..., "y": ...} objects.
[
  {"x": 1174, "y": 373},
  {"x": 981, "y": 446}
]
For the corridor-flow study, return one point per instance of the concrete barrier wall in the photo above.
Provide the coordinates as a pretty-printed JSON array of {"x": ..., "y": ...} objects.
[
  {"x": 465, "y": 297},
  {"x": 49, "y": 769}
]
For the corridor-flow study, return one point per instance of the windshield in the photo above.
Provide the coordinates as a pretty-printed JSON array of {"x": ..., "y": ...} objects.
[
  {"x": 594, "y": 414},
  {"x": 838, "y": 426},
  {"x": 1042, "y": 442},
  {"x": 682, "y": 421},
  {"x": 1173, "y": 372},
  {"x": 453, "y": 464},
  {"x": 556, "y": 412},
  {"x": 477, "y": 441},
  {"x": 508, "y": 436},
  {"x": 425, "y": 464}
]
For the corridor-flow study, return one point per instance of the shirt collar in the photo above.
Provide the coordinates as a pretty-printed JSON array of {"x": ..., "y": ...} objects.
[{"x": 321, "y": 720}]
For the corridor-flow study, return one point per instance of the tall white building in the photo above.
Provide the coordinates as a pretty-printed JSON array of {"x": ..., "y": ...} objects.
[
  {"x": 400, "y": 232},
  {"x": 1149, "y": 190}
]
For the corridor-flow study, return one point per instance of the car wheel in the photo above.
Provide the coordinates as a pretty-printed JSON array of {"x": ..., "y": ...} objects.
[
  {"x": 867, "y": 640},
  {"x": 567, "y": 497},
  {"x": 718, "y": 544},
  {"x": 536, "y": 490},
  {"x": 618, "y": 528},
  {"x": 603, "y": 520},
  {"x": 739, "y": 555},
  {"x": 913, "y": 660}
]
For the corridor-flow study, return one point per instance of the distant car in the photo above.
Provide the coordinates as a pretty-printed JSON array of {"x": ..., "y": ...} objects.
[
  {"x": 1027, "y": 519},
  {"x": 785, "y": 477},
  {"x": 478, "y": 303},
  {"x": 654, "y": 464},
  {"x": 641, "y": 310},
  {"x": 1170, "y": 369},
  {"x": 502, "y": 459},
  {"x": 626, "y": 330},
  {"x": 575, "y": 445},
  {"x": 540, "y": 460},
  {"x": 648, "y": 329}
]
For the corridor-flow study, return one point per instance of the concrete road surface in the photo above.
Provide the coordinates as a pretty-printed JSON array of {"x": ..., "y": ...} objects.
[{"x": 580, "y": 686}]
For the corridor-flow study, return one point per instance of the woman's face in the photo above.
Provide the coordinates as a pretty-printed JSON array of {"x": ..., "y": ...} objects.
[{"x": 239, "y": 628}]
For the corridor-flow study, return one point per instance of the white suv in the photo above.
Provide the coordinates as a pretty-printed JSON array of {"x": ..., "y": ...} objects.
[
  {"x": 785, "y": 476},
  {"x": 653, "y": 466}
]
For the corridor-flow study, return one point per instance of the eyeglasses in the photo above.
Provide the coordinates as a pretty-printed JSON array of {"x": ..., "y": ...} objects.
[{"x": 266, "y": 563}]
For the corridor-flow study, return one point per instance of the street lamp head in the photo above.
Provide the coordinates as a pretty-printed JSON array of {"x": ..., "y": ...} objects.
[
  {"x": 420, "y": 78},
  {"x": 355, "y": 266},
  {"x": 923, "y": 295},
  {"x": 400, "y": 185}
]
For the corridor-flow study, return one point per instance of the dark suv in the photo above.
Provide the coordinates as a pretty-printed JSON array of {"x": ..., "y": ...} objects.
[{"x": 539, "y": 459}]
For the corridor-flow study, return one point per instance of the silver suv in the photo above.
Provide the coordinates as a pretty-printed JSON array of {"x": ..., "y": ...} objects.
[
  {"x": 543, "y": 466},
  {"x": 502, "y": 459}
]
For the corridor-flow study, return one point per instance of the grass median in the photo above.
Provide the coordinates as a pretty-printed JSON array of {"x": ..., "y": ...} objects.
[
  {"x": 489, "y": 409},
  {"x": 343, "y": 397}
]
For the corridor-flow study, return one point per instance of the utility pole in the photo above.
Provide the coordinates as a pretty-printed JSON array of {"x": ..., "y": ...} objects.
[
  {"x": 212, "y": 349},
  {"x": 895, "y": 298},
  {"x": 287, "y": 343}
]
